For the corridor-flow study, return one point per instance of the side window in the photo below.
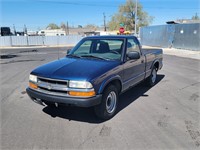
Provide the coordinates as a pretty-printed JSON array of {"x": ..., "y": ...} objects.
[
  {"x": 115, "y": 45},
  {"x": 132, "y": 45}
]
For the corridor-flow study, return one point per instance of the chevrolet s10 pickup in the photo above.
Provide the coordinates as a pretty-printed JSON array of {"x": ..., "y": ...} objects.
[{"x": 94, "y": 73}]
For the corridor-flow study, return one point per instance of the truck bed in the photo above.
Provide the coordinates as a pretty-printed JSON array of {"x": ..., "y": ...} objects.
[{"x": 147, "y": 51}]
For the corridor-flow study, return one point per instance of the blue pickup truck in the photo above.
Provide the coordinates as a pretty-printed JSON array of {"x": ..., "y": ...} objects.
[{"x": 94, "y": 73}]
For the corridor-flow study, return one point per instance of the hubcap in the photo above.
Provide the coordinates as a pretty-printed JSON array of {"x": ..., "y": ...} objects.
[
  {"x": 111, "y": 102},
  {"x": 153, "y": 79}
]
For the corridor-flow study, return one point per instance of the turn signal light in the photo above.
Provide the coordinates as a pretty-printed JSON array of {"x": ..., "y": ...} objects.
[
  {"x": 82, "y": 94},
  {"x": 33, "y": 85}
]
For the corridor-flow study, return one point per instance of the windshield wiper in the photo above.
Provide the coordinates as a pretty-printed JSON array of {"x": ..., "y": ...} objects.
[
  {"x": 92, "y": 56},
  {"x": 72, "y": 55}
]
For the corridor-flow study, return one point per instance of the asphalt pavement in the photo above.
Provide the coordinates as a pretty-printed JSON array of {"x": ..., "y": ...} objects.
[{"x": 166, "y": 116}]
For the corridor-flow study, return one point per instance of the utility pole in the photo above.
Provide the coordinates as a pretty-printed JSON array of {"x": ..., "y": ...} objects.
[
  {"x": 26, "y": 34},
  {"x": 67, "y": 28},
  {"x": 14, "y": 30},
  {"x": 136, "y": 17},
  {"x": 25, "y": 30},
  {"x": 104, "y": 20}
]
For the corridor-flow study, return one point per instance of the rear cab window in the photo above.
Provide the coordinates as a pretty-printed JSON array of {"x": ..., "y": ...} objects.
[{"x": 133, "y": 45}]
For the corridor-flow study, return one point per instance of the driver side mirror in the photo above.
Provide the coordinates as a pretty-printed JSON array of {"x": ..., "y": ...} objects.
[
  {"x": 133, "y": 55},
  {"x": 68, "y": 51}
]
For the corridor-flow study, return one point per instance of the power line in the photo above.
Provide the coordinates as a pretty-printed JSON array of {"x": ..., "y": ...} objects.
[
  {"x": 97, "y": 4},
  {"x": 75, "y": 3},
  {"x": 102, "y": 5},
  {"x": 168, "y": 8}
]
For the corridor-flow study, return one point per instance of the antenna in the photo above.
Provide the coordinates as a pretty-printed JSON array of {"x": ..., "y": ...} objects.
[{"x": 14, "y": 30}]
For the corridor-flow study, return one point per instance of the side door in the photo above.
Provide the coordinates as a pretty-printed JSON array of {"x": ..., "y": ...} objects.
[{"x": 134, "y": 69}]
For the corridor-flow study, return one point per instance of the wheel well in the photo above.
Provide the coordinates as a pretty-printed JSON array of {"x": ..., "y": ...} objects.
[
  {"x": 156, "y": 65},
  {"x": 116, "y": 83}
]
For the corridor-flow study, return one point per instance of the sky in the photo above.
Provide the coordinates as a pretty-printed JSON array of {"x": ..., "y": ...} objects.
[{"x": 37, "y": 14}]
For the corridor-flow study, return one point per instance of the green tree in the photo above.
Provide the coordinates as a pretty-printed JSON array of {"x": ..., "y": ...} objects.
[
  {"x": 126, "y": 15},
  {"x": 91, "y": 26},
  {"x": 195, "y": 17},
  {"x": 63, "y": 26},
  {"x": 80, "y": 26},
  {"x": 52, "y": 26}
]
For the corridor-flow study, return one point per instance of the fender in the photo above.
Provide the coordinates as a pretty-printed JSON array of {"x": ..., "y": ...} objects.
[
  {"x": 107, "y": 81},
  {"x": 154, "y": 62}
]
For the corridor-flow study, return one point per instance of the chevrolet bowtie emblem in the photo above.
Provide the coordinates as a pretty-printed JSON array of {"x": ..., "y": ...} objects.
[{"x": 49, "y": 87}]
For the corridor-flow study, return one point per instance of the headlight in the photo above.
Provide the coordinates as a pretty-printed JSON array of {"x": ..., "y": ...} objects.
[
  {"x": 80, "y": 84},
  {"x": 33, "y": 78}
]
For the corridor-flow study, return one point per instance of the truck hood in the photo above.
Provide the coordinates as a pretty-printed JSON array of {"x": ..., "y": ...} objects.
[{"x": 75, "y": 69}]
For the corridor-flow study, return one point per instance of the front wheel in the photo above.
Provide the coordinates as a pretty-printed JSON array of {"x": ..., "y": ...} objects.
[
  {"x": 108, "y": 106},
  {"x": 151, "y": 80}
]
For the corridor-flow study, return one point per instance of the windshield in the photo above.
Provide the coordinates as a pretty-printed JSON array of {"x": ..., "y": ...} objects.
[{"x": 107, "y": 49}]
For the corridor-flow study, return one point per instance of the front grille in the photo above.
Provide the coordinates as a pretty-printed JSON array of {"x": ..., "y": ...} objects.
[
  {"x": 56, "y": 87},
  {"x": 52, "y": 85},
  {"x": 53, "y": 81},
  {"x": 64, "y": 92}
]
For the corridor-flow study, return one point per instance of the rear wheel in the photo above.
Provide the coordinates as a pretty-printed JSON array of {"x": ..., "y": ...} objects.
[
  {"x": 151, "y": 80},
  {"x": 108, "y": 106}
]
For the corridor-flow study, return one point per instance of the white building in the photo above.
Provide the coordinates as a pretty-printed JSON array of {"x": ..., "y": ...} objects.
[
  {"x": 56, "y": 32},
  {"x": 31, "y": 33}
]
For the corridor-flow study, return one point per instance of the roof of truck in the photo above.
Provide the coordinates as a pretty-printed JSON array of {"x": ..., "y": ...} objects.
[{"x": 111, "y": 36}]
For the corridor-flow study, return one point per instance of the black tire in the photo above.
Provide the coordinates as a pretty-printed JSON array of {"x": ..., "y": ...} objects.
[
  {"x": 151, "y": 80},
  {"x": 108, "y": 106}
]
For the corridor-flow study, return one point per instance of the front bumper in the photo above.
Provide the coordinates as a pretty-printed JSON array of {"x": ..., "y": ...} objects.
[{"x": 81, "y": 102}]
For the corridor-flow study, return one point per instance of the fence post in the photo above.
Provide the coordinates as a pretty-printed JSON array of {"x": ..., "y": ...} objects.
[
  {"x": 11, "y": 41},
  {"x": 27, "y": 40},
  {"x": 43, "y": 39}
]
